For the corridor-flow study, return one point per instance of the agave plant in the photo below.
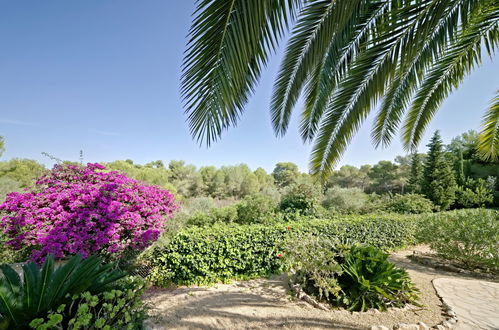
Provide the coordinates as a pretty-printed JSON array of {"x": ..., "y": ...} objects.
[
  {"x": 45, "y": 288},
  {"x": 343, "y": 56}
]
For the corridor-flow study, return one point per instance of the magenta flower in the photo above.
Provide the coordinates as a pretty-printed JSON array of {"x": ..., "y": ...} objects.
[{"x": 81, "y": 209}]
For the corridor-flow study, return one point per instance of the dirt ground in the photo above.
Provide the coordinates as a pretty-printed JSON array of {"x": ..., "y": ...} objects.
[{"x": 267, "y": 304}]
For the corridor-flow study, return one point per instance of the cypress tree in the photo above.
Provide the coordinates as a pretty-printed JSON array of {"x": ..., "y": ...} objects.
[
  {"x": 439, "y": 183},
  {"x": 416, "y": 174}
]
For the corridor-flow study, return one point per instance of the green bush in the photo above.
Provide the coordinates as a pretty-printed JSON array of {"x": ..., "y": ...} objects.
[
  {"x": 474, "y": 193},
  {"x": 226, "y": 214},
  {"x": 208, "y": 254},
  {"x": 409, "y": 204},
  {"x": 345, "y": 200},
  {"x": 369, "y": 280},
  {"x": 302, "y": 198},
  {"x": 50, "y": 298},
  {"x": 357, "y": 278},
  {"x": 255, "y": 209},
  {"x": 469, "y": 237}
]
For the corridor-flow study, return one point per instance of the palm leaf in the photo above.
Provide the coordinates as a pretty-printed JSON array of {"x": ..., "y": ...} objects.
[
  {"x": 458, "y": 59},
  {"x": 229, "y": 43},
  {"x": 488, "y": 146}
]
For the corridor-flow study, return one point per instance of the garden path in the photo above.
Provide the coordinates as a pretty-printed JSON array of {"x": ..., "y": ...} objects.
[{"x": 475, "y": 302}]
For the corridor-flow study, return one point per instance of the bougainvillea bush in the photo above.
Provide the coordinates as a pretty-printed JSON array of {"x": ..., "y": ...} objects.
[{"x": 84, "y": 210}]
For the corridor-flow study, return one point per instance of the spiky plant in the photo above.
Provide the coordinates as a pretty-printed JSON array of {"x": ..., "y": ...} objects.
[
  {"x": 344, "y": 56},
  {"x": 45, "y": 288}
]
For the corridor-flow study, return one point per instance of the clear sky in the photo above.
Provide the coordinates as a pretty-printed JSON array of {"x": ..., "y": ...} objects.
[{"x": 103, "y": 76}]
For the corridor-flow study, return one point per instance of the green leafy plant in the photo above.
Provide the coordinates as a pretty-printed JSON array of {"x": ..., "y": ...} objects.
[
  {"x": 200, "y": 255},
  {"x": 256, "y": 209},
  {"x": 409, "y": 204},
  {"x": 46, "y": 288},
  {"x": 467, "y": 237},
  {"x": 118, "y": 308},
  {"x": 369, "y": 280}
]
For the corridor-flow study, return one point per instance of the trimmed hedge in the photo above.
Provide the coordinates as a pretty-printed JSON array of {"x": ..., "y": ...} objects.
[{"x": 202, "y": 255}]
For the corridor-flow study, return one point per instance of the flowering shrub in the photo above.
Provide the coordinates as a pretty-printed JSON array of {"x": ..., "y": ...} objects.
[{"x": 82, "y": 209}]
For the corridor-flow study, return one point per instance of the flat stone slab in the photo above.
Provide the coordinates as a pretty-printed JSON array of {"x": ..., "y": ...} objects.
[{"x": 475, "y": 302}]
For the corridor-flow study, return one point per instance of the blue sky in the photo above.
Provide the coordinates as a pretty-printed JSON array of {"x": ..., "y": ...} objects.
[{"x": 103, "y": 76}]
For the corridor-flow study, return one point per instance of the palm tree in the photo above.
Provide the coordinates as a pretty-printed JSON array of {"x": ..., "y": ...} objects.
[{"x": 346, "y": 58}]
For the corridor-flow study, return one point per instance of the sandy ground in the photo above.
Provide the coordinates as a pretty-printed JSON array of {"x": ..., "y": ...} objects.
[{"x": 267, "y": 304}]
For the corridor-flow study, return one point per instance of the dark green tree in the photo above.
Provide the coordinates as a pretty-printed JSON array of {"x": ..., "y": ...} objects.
[
  {"x": 383, "y": 176},
  {"x": 439, "y": 183},
  {"x": 416, "y": 174},
  {"x": 285, "y": 174}
]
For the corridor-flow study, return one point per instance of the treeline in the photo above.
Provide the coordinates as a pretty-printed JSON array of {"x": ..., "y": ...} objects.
[{"x": 448, "y": 175}]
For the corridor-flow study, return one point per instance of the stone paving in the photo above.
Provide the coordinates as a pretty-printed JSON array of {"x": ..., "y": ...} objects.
[{"x": 475, "y": 302}]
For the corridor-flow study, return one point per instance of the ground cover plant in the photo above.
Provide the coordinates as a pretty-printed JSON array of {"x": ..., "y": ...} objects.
[
  {"x": 72, "y": 296},
  {"x": 83, "y": 209}
]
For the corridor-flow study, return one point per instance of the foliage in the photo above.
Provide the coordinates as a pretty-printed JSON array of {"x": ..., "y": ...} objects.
[
  {"x": 416, "y": 175},
  {"x": 226, "y": 214},
  {"x": 469, "y": 237},
  {"x": 356, "y": 277},
  {"x": 439, "y": 184},
  {"x": 345, "y": 200},
  {"x": 369, "y": 280},
  {"x": 302, "y": 198},
  {"x": 409, "y": 204},
  {"x": 117, "y": 308},
  {"x": 221, "y": 252},
  {"x": 255, "y": 209},
  {"x": 76, "y": 209},
  {"x": 313, "y": 262},
  {"x": 23, "y": 171},
  {"x": 474, "y": 193},
  {"x": 345, "y": 57},
  {"x": 285, "y": 174},
  {"x": 47, "y": 288}
]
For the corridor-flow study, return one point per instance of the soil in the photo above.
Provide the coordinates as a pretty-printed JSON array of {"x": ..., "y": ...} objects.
[{"x": 267, "y": 304}]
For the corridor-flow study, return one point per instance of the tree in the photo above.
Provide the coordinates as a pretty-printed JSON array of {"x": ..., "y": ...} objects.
[
  {"x": 2, "y": 146},
  {"x": 285, "y": 174},
  {"x": 416, "y": 174},
  {"x": 383, "y": 176},
  {"x": 344, "y": 56},
  {"x": 439, "y": 184}
]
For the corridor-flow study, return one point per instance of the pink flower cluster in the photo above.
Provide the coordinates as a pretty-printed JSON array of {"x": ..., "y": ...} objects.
[{"x": 82, "y": 209}]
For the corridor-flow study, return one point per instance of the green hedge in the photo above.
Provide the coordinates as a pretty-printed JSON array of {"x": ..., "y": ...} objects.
[{"x": 202, "y": 255}]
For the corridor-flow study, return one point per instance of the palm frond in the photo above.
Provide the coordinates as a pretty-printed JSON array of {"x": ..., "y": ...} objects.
[
  {"x": 319, "y": 22},
  {"x": 488, "y": 146},
  {"x": 457, "y": 60},
  {"x": 229, "y": 43}
]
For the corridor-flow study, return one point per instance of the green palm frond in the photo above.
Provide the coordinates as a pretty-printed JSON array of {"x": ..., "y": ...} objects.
[
  {"x": 344, "y": 56},
  {"x": 457, "y": 60},
  {"x": 229, "y": 43},
  {"x": 318, "y": 24},
  {"x": 488, "y": 146}
]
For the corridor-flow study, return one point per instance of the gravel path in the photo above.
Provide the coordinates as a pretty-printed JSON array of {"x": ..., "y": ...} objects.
[{"x": 266, "y": 304}]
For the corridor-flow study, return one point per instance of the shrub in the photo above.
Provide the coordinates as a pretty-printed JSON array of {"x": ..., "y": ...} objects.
[
  {"x": 474, "y": 193},
  {"x": 357, "y": 278},
  {"x": 345, "y": 200},
  {"x": 409, "y": 204},
  {"x": 49, "y": 298},
  {"x": 302, "y": 198},
  {"x": 369, "y": 280},
  {"x": 217, "y": 215},
  {"x": 469, "y": 237},
  {"x": 255, "y": 209},
  {"x": 76, "y": 209},
  {"x": 221, "y": 252}
]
